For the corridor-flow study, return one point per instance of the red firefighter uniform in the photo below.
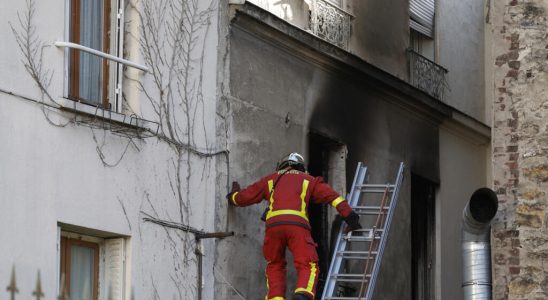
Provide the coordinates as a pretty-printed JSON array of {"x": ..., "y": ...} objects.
[{"x": 287, "y": 225}]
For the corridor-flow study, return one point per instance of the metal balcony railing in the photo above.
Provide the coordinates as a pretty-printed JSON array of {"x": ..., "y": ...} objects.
[
  {"x": 330, "y": 23},
  {"x": 426, "y": 75}
]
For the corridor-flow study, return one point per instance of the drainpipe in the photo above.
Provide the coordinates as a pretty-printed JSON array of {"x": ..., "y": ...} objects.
[{"x": 476, "y": 247}]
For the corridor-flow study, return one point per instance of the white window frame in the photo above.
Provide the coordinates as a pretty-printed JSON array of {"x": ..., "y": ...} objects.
[
  {"x": 115, "y": 55},
  {"x": 113, "y": 266}
]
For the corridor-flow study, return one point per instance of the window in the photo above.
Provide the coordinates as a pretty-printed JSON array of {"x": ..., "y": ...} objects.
[
  {"x": 421, "y": 16},
  {"x": 92, "y": 79},
  {"x": 335, "y": 2},
  {"x": 422, "y": 44},
  {"x": 91, "y": 267},
  {"x": 326, "y": 158},
  {"x": 80, "y": 266},
  {"x": 423, "y": 236},
  {"x": 421, "y": 23}
]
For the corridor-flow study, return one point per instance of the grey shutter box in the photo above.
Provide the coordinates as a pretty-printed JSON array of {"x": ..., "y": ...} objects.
[{"x": 422, "y": 13}]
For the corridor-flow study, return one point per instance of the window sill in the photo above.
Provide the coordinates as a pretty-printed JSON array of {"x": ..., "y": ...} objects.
[{"x": 100, "y": 115}]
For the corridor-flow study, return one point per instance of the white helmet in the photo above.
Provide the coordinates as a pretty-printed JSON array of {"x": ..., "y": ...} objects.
[{"x": 293, "y": 160}]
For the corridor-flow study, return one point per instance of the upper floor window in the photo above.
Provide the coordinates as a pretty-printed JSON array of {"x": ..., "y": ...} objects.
[
  {"x": 335, "y": 2},
  {"x": 424, "y": 73},
  {"x": 421, "y": 16},
  {"x": 422, "y": 44},
  {"x": 92, "y": 79},
  {"x": 324, "y": 18}
]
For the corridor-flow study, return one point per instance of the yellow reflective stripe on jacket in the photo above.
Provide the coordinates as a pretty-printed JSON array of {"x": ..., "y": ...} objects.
[
  {"x": 233, "y": 198},
  {"x": 311, "y": 280},
  {"x": 271, "y": 200},
  {"x": 337, "y": 201},
  {"x": 301, "y": 213},
  {"x": 303, "y": 197},
  {"x": 276, "y": 298},
  {"x": 286, "y": 212}
]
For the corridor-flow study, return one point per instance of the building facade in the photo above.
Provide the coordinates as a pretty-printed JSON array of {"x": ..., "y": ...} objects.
[
  {"x": 109, "y": 166},
  {"x": 125, "y": 121},
  {"x": 380, "y": 94}
]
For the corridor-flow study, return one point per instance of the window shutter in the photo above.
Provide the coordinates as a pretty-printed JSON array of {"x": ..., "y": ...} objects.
[
  {"x": 114, "y": 268},
  {"x": 421, "y": 14}
]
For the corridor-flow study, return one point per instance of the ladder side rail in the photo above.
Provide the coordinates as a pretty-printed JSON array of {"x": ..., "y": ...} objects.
[
  {"x": 340, "y": 244},
  {"x": 378, "y": 224},
  {"x": 355, "y": 192},
  {"x": 393, "y": 202}
]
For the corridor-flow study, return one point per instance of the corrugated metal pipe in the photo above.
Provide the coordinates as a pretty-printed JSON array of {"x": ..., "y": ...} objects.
[{"x": 476, "y": 246}]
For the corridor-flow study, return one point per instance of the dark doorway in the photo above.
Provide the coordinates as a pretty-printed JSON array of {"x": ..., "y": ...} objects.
[
  {"x": 423, "y": 234},
  {"x": 322, "y": 151}
]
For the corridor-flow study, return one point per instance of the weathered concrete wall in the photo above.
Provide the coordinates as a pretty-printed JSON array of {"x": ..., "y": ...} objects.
[
  {"x": 276, "y": 97},
  {"x": 520, "y": 151},
  {"x": 53, "y": 175},
  {"x": 459, "y": 40},
  {"x": 380, "y": 34},
  {"x": 462, "y": 169},
  {"x": 379, "y": 31}
]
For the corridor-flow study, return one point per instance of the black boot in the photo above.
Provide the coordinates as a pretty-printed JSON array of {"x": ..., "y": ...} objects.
[{"x": 301, "y": 297}]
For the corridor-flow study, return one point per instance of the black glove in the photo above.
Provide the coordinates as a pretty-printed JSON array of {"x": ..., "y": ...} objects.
[
  {"x": 265, "y": 213},
  {"x": 235, "y": 188},
  {"x": 353, "y": 221}
]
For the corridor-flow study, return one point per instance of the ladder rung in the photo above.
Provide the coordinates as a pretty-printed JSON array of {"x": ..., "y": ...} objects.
[
  {"x": 375, "y": 188},
  {"x": 368, "y": 230},
  {"x": 376, "y": 191},
  {"x": 369, "y": 213},
  {"x": 358, "y": 257},
  {"x": 372, "y": 185},
  {"x": 361, "y": 238},
  {"x": 370, "y": 208},
  {"x": 351, "y": 277},
  {"x": 357, "y": 254}
]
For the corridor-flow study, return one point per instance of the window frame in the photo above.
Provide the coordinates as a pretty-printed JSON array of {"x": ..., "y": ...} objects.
[
  {"x": 113, "y": 36},
  {"x": 114, "y": 250},
  {"x": 423, "y": 237},
  {"x": 66, "y": 242},
  {"x": 74, "y": 60}
]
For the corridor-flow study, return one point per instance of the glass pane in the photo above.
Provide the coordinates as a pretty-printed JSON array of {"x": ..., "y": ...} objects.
[
  {"x": 91, "y": 35},
  {"x": 335, "y": 2},
  {"x": 81, "y": 273}
]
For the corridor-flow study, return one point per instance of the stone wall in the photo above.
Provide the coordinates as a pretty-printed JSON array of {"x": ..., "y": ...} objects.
[{"x": 520, "y": 148}]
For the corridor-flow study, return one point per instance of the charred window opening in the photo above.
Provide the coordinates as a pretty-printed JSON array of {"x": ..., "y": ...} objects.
[
  {"x": 423, "y": 222},
  {"x": 326, "y": 158}
]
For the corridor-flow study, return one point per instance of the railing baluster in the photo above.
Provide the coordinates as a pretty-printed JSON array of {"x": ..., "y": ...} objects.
[
  {"x": 426, "y": 75},
  {"x": 12, "y": 288},
  {"x": 330, "y": 23},
  {"x": 38, "y": 292}
]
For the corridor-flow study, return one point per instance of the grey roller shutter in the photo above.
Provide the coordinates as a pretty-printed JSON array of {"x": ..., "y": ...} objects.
[{"x": 421, "y": 13}]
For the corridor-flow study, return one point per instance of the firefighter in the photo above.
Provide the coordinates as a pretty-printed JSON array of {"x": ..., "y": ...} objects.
[{"x": 289, "y": 190}]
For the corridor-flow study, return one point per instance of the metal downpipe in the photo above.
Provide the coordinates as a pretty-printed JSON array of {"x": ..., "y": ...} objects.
[{"x": 476, "y": 246}]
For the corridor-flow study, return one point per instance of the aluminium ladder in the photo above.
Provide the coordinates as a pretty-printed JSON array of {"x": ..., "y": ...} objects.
[{"x": 366, "y": 246}]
